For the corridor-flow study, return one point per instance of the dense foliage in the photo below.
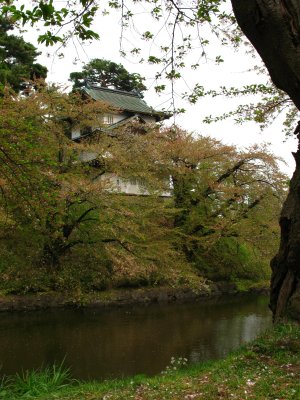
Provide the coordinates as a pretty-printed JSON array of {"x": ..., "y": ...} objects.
[
  {"x": 60, "y": 221},
  {"x": 63, "y": 225},
  {"x": 227, "y": 200}
]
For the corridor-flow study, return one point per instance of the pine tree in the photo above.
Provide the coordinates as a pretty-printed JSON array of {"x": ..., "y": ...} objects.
[
  {"x": 107, "y": 74},
  {"x": 17, "y": 59}
]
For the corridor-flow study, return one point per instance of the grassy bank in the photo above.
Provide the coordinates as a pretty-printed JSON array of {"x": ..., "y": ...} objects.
[{"x": 268, "y": 368}]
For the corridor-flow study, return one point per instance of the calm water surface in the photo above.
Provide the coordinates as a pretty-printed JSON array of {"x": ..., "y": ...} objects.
[{"x": 99, "y": 344}]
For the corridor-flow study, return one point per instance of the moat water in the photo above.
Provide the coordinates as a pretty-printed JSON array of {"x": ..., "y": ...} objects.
[{"x": 119, "y": 342}]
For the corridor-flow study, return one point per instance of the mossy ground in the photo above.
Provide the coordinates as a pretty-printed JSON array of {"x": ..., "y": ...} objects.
[{"x": 266, "y": 369}]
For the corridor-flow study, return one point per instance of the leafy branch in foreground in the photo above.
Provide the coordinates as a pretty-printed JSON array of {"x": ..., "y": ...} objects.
[
  {"x": 189, "y": 28},
  {"x": 270, "y": 103},
  {"x": 78, "y": 17}
]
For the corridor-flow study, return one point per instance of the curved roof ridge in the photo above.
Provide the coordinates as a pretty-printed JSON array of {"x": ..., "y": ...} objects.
[{"x": 119, "y": 91}]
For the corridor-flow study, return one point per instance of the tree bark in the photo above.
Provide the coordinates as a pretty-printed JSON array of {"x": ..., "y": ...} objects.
[
  {"x": 285, "y": 281},
  {"x": 273, "y": 28}
]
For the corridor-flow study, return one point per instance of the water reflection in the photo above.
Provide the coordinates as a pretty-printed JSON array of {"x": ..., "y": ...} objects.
[{"x": 118, "y": 342}]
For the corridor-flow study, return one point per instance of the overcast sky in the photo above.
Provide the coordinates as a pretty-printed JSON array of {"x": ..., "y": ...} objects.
[{"x": 233, "y": 72}]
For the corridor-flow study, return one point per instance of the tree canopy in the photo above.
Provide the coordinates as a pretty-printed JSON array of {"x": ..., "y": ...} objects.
[
  {"x": 107, "y": 74},
  {"x": 17, "y": 59}
]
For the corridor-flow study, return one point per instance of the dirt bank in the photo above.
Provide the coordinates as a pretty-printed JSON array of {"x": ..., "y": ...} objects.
[{"x": 116, "y": 298}]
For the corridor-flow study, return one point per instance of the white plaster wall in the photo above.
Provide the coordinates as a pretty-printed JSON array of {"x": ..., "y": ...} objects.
[
  {"x": 120, "y": 185},
  {"x": 108, "y": 119},
  {"x": 149, "y": 119},
  {"x": 75, "y": 134},
  {"x": 116, "y": 184},
  {"x": 112, "y": 118}
]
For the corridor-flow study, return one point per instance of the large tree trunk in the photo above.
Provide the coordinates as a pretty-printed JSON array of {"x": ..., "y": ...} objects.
[
  {"x": 285, "y": 282},
  {"x": 273, "y": 27}
]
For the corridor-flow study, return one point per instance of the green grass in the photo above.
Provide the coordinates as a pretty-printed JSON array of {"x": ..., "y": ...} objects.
[
  {"x": 266, "y": 369},
  {"x": 35, "y": 384},
  {"x": 244, "y": 285}
]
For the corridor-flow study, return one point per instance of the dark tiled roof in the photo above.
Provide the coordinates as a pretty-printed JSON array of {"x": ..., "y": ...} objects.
[{"x": 122, "y": 100}]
